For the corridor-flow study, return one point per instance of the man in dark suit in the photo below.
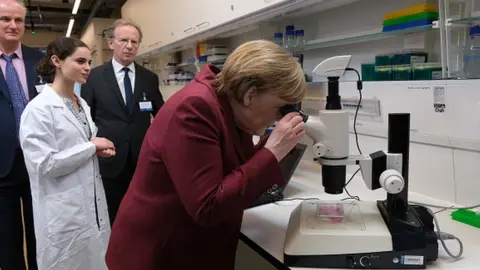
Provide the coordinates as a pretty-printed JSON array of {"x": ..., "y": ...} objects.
[
  {"x": 122, "y": 95},
  {"x": 17, "y": 88}
]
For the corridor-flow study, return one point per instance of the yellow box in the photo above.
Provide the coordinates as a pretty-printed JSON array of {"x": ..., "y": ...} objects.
[{"x": 410, "y": 11}]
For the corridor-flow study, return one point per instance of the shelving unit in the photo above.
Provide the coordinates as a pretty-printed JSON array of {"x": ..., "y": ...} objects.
[
  {"x": 450, "y": 26},
  {"x": 363, "y": 37},
  {"x": 459, "y": 16},
  {"x": 464, "y": 21}
]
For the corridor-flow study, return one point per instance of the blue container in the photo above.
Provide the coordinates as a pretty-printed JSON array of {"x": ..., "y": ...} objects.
[{"x": 407, "y": 25}]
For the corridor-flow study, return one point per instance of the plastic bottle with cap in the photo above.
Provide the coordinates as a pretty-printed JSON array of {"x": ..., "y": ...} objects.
[
  {"x": 278, "y": 39},
  {"x": 471, "y": 59},
  {"x": 290, "y": 40},
  {"x": 299, "y": 46}
]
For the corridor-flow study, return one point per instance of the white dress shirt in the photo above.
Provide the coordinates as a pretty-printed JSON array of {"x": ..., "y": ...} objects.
[{"x": 120, "y": 75}]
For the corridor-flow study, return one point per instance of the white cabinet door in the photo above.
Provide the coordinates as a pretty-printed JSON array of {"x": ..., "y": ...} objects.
[
  {"x": 213, "y": 13},
  {"x": 245, "y": 7},
  {"x": 137, "y": 11},
  {"x": 183, "y": 16},
  {"x": 159, "y": 21},
  {"x": 192, "y": 17}
]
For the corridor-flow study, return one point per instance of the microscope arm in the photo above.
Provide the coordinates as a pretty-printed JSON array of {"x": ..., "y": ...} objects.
[{"x": 379, "y": 169}]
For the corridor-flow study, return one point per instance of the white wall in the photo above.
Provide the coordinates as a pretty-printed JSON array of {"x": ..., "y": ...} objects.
[
  {"x": 41, "y": 38},
  {"x": 93, "y": 38}
]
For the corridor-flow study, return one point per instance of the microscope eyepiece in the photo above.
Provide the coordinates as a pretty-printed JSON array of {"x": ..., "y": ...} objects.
[{"x": 286, "y": 109}]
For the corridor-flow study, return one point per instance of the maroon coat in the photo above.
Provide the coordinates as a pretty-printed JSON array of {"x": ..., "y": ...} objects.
[{"x": 196, "y": 174}]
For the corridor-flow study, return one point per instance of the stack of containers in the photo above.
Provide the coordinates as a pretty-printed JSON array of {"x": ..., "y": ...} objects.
[
  {"x": 416, "y": 16},
  {"x": 292, "y": 41},
  {"x": 402, "y": 66}
]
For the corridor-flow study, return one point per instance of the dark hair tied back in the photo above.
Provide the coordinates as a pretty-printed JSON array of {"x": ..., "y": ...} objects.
[{"x": 61, "y": 47}]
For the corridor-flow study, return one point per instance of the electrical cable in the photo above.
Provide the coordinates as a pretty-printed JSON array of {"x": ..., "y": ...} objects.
[
  {"x": 445, "y": 207},
  {"x": 446, "y": 236},
  {"x": 346, "y": 190},
  {"x": 441, "y": 236},
  {"x": 359, "y": 88}
]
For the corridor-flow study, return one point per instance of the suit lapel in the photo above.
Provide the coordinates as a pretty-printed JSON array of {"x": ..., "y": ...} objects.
[
  {"x": 137, "y": 88},
  {"x": 4, "y": 86},
  {"x": 29, "y": 61},
  {"x": 30, "y": 65},
  {"x": 112, "y": 83}
]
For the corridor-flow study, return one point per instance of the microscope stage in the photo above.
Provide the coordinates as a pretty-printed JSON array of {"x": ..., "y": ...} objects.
[{"x": 333, "y": 228}]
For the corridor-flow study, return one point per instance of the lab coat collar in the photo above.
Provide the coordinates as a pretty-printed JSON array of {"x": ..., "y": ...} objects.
[{"x": 56, "y": 101}]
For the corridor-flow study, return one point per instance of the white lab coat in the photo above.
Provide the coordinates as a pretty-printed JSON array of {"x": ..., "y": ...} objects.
[{"x": 65, "y": 182}]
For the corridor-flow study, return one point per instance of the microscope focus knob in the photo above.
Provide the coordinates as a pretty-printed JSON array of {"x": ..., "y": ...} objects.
[{"x": 392, "y": 181}]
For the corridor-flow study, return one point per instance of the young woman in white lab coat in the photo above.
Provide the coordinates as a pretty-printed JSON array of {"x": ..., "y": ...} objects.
[{"x": 57, "y": 136}]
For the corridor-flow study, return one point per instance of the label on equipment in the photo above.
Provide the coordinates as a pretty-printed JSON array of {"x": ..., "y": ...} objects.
[
  {"x": 439, "y": 99},
  {"x": 412, "y": 260}
]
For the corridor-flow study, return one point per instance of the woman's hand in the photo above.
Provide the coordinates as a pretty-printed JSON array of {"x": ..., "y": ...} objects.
[
  {"x": 102, "y": 144},
  {"x": 106, "y": 153},
  {"x": 288, "y": 132}
]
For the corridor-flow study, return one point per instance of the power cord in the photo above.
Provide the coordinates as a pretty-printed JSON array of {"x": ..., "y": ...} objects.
[
  {"x": 359, "y": 88},
  {"x": 446, "y": 236}
]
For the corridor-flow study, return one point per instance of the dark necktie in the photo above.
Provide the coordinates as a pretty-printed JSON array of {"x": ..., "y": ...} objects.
[
  {"x": 15, "y": 88},
  {"x": 128, "y": 89}
]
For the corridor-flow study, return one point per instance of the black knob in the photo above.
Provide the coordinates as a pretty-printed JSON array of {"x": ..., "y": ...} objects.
[{"x": 365, "y": 261}]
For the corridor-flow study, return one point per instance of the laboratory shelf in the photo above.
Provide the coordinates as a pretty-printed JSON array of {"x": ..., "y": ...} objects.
[
  {"x": 466, "y": 21},
  {"x": 364, "y": 37}
]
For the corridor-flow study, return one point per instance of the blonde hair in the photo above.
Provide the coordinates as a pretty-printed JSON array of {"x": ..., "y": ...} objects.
[
  {"x": 265, "y": 66},
  {"x": 123, "y": 22}
]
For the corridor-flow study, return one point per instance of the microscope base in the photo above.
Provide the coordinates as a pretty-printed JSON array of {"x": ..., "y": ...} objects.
[{"x": 357, "y": 238}]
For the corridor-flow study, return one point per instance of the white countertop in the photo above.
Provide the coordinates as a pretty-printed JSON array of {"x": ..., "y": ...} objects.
[{"x": 266, "y": 225}]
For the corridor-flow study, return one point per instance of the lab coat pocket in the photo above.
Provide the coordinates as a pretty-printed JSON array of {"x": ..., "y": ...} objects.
[{"x": 65, "y": 213}]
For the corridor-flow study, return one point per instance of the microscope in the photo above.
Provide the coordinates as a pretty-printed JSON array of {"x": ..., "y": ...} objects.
[{"x": 387, "y": 234}]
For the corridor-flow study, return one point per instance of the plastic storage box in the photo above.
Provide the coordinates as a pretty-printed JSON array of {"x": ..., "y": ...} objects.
[
  {"x": 416, "y": 16},
  {"x": 368, "y": 72},
  {"x": 427, "y": 71},
  {"x": 383, "y": 73},
  {"x": 466, "y": 216},
  {"x": 432, "y": 16},
  {"x": 402, "y": 73},
  {"x": 383, "y": 59},
  {"x": 407, "y": 25},
  {"x": 410, "y": 11},
  {"x": 409, "y": 57}
]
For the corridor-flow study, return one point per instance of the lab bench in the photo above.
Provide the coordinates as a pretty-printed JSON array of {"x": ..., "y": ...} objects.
[{"x": 264, "y": 227}]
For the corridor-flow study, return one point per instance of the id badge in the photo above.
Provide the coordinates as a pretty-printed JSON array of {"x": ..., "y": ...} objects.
[{"x": 145, "y": 105}]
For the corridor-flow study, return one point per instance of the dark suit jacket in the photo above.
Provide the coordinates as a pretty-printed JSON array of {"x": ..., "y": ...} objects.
[
  {"x": 8, "y": 138},
  {"x": 125, "y": 129},
  {"x": 196, "y": 174}
]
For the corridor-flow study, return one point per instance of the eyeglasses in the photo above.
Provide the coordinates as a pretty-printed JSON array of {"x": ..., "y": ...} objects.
[{"x": 124, "y": 42}]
